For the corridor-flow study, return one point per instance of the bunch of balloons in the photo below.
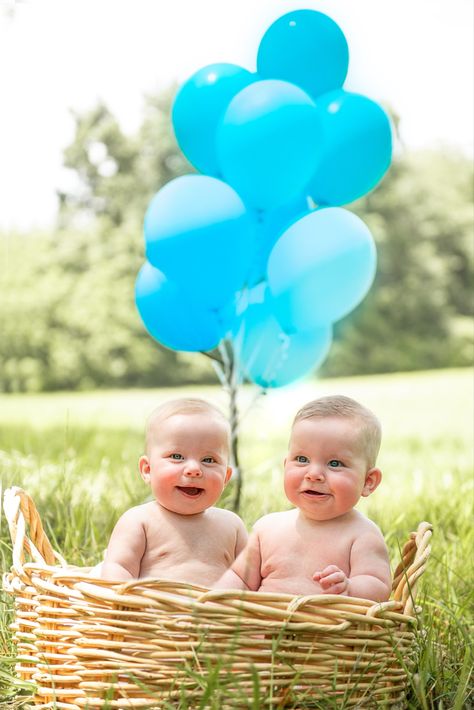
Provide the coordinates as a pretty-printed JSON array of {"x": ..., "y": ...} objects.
[{"x": 257, "y": 247}]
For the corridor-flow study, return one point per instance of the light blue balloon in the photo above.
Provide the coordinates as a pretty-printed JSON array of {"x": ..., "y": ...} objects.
[
  {"x": 268, "y": 143},
  {"x": 198, "y": 107},
  {"x": 356, "y": 151},
  {"x": 172, "y": 316},
  {"x": 307, "y": 48},
  {"x": 268, "y": 356},
  {"x": 320, "y": 269},
  {"x": 199, "y": 233},
  {"x": 270, "y": 226}
]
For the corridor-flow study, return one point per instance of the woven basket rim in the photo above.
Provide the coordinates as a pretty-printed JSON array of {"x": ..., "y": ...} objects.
[{"x": 21, "y": 513}]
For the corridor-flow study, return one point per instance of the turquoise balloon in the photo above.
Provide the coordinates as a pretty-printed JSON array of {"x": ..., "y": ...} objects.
[
  {"x": 320, "y": 269},
  {"x": 268, "y": 356},
  {"x": 199, "y": 233},
  {"x": 268, "y": 143},
  {"x": 172, "y": 316},
  {"x": 306, "y": 48},
  {"x": 270, "y": 225},
  {"x": 198, "y": 108},
  {"x": 356, "y": 151}
]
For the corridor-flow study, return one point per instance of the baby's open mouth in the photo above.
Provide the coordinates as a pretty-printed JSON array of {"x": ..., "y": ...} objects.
[
  {"x": 315, "y": 493},
  {"x": 190, "y": 491}
]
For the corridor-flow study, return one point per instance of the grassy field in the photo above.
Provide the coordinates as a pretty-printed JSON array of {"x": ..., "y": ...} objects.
[{"x": 76, "y": 455}]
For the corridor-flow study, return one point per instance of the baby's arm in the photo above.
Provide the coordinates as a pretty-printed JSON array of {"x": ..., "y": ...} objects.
[
  {"x": 241, "y": 538},
  {"x": 370, "y": 571},
  {"x": 126, "y": 548},
  {"x": 370, "y": 568},
  {"x": 244, "y": 573}
]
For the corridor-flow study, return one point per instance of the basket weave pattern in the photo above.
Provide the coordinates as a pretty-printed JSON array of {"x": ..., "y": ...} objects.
[{"x": 91, "y": 643}]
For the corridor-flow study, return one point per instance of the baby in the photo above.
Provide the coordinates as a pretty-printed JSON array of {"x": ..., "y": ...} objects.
[
  {"x": 324, "y": 545},
  {"x": 179, "y": 535}
]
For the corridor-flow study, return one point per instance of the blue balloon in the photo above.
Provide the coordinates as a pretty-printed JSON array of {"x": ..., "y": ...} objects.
[
  {"x": 199, "y": 233},
  {"x": 172, "y": 316},
  {"x": 268, "y": 356},
  {"x": 320, "y": 269},
  {"x": 198, "y": 107},
  {"x": 356, "y": 151},
  {"x": 307, "y": 48},
  {"x": 268, "y": 143},
  {"x": 270, "y": 225}
]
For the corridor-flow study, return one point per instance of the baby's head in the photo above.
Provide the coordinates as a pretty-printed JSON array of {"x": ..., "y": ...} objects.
[
  {"x": 364, "y": 423},
  {"x": 332, "y": 455},
  {"x": 186, "y": 455}
]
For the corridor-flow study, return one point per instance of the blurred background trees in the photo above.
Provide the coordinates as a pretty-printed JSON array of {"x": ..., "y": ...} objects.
[
  {"x": 68, "y": 318},
  {"x": 418, "y": 313}
]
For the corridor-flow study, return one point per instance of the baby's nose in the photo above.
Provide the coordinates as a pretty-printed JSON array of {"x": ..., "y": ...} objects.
[
  {"x": 315, "y": 473},
  {"x": 192, "y": 469}
]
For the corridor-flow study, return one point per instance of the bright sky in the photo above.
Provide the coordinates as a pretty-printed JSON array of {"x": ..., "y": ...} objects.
[{"x": 57, "y": 55}]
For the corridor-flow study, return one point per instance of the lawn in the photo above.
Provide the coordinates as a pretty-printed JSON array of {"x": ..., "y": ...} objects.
[{"x": 76, "y": 454}]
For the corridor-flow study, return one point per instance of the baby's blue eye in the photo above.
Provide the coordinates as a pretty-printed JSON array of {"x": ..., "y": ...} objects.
[
  {"x": 176, "y": 457},
  {"x": 208, "y": 459},
  {"x": 302, "y": 459},
  {"x": 334, "y": 463}
]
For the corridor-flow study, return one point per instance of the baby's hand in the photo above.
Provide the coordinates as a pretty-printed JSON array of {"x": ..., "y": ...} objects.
[{"x": 332, "y": 580}]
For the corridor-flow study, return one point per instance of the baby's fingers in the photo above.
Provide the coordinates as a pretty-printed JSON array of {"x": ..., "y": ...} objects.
[
  {"x": 338, "y": 588},
  {"x": 330, "y": 579},
  {"x": 334, "y": 583},
  {"x": 330, "y": 569}
]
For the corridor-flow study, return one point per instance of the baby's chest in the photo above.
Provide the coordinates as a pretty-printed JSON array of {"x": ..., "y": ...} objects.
[
  {"x": 297, "y": 556},
  {"x": 189, "y": 541}
]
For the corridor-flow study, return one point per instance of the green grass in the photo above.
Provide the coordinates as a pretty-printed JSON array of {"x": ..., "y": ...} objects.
[{"x": 76, "y": 454}]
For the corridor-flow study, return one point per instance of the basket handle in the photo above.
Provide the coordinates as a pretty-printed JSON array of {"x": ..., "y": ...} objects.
[
  {"x": 415, "y": 554},
  {"x": 21, "y": 511}
]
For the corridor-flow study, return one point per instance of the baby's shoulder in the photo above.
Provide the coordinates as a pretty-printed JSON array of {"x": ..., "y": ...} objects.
[
  {"x": 227, "y": 517},
  {"x": 132, "y": 522},
  {"x": 138, "y": 513},
  {"x": 364, "y": 525},
  {"x": 275, "y": 521}
]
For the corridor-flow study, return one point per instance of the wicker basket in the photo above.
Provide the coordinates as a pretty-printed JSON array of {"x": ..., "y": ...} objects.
[{"x": 88, "y": 643}]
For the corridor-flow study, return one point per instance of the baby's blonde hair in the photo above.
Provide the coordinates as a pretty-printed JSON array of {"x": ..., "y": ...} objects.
[
  {"x": 184, "y": 405},
  {"x": 347, "y": 408}
]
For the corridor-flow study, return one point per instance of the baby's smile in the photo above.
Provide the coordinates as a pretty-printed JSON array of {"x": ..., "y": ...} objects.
[{"x": 191, "y": 491}]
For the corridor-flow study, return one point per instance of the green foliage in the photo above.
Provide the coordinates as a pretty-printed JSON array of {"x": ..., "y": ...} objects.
[
  {"x": 68, "y": 318},
  {"x": 67, "y": 313},
  {"x": 419, "y": 310}
]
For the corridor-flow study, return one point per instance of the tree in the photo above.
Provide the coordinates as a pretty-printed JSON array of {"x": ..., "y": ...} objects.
[
  {"x": 68, "y": 318},
  {"x": 117, "y": 174}
]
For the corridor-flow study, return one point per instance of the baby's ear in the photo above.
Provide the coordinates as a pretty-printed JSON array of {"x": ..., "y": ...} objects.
[
  {"x": 144, "y": 468},
  {"x": 372, "y": 480},
  {"x": 228, "y": 475}
]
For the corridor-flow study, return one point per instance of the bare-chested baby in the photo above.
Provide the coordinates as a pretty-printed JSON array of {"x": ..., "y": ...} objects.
[
  {"x": 324, "y": 545},
  {"x": 179, "y": 535}
]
